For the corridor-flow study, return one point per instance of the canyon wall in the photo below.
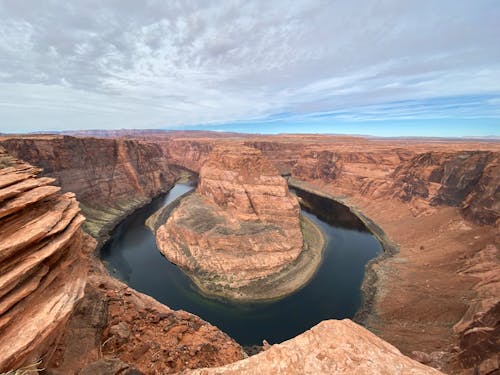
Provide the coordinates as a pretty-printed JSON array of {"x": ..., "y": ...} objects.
[
  {"x": 465, "y": 179},
  {"x": 187, "y": 153},
  {"x": 40, "y": 246},
  {"x": 110, "y": 177}
]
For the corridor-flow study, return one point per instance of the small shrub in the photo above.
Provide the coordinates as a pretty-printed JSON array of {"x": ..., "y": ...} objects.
[{"x": 30, "y": 369}]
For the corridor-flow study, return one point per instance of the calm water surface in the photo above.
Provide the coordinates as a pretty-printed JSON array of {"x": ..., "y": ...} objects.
[{"x": 334, "y": 292}]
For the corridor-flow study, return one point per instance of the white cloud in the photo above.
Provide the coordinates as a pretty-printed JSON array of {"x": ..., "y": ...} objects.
[{"x": 134, "y": 64}]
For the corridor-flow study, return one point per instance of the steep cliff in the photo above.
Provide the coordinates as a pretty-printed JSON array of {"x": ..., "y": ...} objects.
[
  {"x": 366, "y": 171},
  {"x": 42, "y": 275},
  {"x": 187, "y": 153},
  {"x": 243, "y": 182},
  {"x": 110, "y": 177},
  {"x": 282, "y": 155},
  {"x": 465, "y": 179},
  {"x": 240, "y": 228}
]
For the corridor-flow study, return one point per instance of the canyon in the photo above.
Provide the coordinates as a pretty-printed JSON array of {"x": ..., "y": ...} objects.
[{"x": 434, "y": 294}]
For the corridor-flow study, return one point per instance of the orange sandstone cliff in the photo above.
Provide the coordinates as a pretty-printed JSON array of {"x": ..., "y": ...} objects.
[
  {"x": 40, "y": 246},
  {"x": 110, "y": 177}
]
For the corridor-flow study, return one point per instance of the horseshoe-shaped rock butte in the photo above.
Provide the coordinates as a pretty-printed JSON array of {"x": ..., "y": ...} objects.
[{"x": 240, "y": 234}]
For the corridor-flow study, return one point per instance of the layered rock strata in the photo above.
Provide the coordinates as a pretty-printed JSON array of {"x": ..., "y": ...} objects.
[
  {"x": 331, "y": 347},
  {"x": 241, "y": 226},
  {"x": 42, "y": 276},
  {"x": 110, "y": 177},
  {"x": 60, "y": 310}
]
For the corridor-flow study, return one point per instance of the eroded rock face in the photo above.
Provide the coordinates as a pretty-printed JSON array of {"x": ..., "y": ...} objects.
[
  {"x": 365, "y": 171},
  {"x": 323, "y": 165},
  {"x": 42, "y": 276},
  {"x": 479, "y": 329},
  {"x": 240, "y": 226},
  {"x": 118, "y": 329},
  {"x": 110, "y": 177},
  {"x": 331, "y": 347},
  {"x": 190, "y": 154},
  {"x": 466, "y": 179},
  {"x": 244, "y": 183}
]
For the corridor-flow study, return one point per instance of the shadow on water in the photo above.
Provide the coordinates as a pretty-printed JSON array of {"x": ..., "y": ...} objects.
[{"x": 333, "y": 293}]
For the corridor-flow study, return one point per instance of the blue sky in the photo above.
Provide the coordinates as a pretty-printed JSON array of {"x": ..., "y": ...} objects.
[
  {"x": 402, "y": 128},
  {"x": 387, "y": 67}
]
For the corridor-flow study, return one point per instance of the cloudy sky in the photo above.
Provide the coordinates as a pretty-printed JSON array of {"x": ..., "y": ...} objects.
[{"x": 387, "y": 67}]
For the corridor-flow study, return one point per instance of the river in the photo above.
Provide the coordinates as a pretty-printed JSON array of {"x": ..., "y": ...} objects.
[{"x": 334, "y": 292}]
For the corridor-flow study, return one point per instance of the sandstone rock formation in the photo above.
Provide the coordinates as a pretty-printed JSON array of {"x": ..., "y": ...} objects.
[
  {"x": 331, "y": 347},
  {"x": 465, "y": 179},
  {"x": 59, "y": 306},
  {"x": 187, "y": 153},
  {"x": 479, "y": 328},
  {"x": 115, "y": 328},
  {"x": 41, "y": 271},
  {"x": 242, "y": 225},
  {"x": 110, "y": 177}
]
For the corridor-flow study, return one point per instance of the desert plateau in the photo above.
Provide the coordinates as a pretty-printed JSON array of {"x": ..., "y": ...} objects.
[
  {"x": 304, "y": 187},
  {"x": 433, "y": 292}
]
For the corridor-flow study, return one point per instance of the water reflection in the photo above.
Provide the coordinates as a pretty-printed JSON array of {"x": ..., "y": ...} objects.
[{"x": 329, "y": 211}]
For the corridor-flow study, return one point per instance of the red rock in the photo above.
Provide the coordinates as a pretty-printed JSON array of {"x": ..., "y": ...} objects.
[
  {"x": 331, "y": 347},
  {"x": 110, "y": 177},
  {"x": 40, "y": 280},
  {"x": 241, "y": 225}
]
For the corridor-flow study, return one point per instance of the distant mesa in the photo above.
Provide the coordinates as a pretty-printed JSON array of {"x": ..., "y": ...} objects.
[{"x": 240, "y": 235}]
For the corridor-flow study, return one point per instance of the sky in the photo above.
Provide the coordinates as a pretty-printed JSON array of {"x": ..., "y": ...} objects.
[{"x": 387, "y": 68}]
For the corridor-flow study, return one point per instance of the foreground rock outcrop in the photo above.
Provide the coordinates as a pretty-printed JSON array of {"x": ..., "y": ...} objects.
[
  {"x": 241, "y": 226},
  {"x": 331, "y": 347},
  {"x": 116, "y": 329},
  {"x": 110, "y": 177},
  {"x": 42, "y": 275}
]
